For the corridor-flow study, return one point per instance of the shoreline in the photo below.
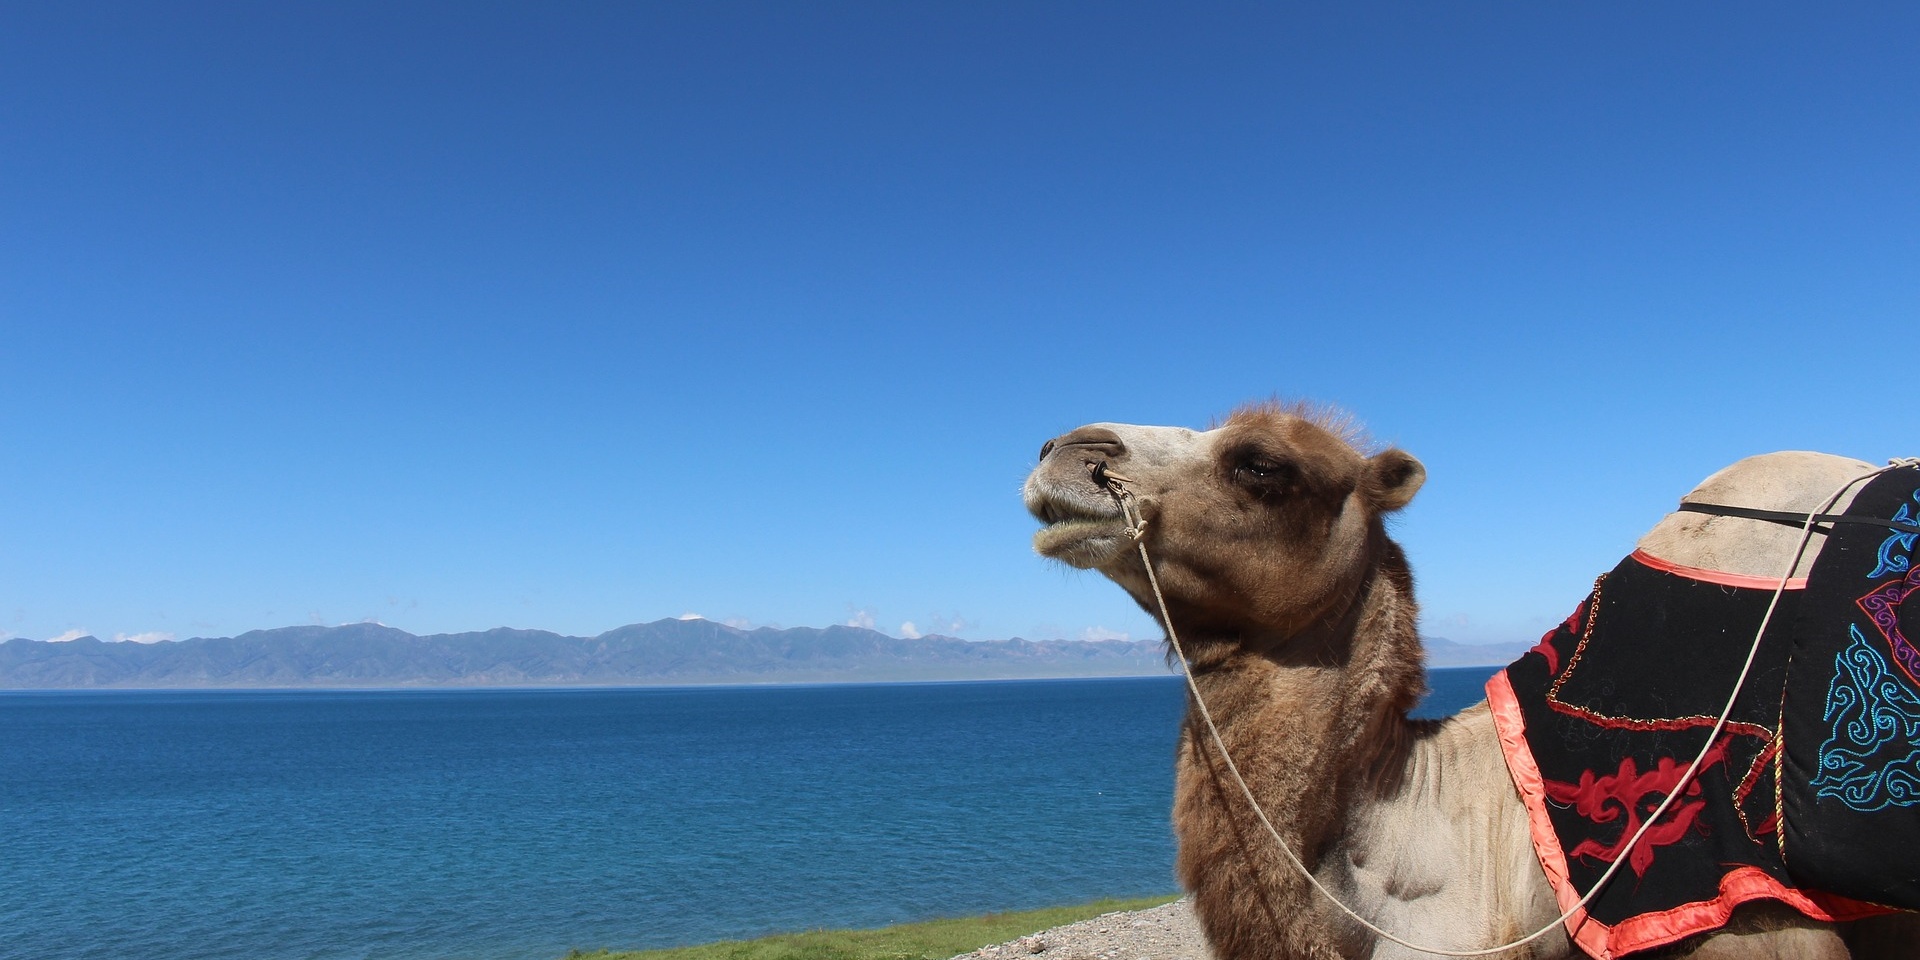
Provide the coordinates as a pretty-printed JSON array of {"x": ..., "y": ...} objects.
[
  {"x": 606, "y": 686},
  {"x": 1166, "y": 932},
  {"x": 1151, "y": 928}
]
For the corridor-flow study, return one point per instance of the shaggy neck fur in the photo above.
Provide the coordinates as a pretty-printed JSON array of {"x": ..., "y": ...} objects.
[{"x": 1387, "y": 811}]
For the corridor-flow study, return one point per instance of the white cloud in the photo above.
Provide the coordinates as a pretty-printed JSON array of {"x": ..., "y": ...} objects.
[
  {"x": 151, "y": 636},
  {"x": 738, "y": 623},
  {"x": 689, "y": 615},
  {"x": 69, "y": 635},
  {"x": 909, "y": 631},
  {"x": 861, "y": 617},
  {"x": 1102, "y": 633}
]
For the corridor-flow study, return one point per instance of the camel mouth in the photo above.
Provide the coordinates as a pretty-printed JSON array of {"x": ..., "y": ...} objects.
[
  {"x": 1077, "y": 533},
  {"x": 1087, "y": 544},
  {"x": 1053, "y": 509}
]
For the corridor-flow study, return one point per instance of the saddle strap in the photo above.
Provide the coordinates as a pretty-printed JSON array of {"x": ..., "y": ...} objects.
[{"x": 1795, "y": 520}]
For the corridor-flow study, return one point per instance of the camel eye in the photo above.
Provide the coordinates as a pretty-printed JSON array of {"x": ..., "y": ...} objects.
[{"x": 1262, "y": 472}]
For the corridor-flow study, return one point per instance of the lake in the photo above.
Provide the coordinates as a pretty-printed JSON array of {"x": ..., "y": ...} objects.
[{"x": 517, "y": 824}]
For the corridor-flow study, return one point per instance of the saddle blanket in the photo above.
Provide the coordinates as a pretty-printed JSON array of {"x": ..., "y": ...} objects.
[{"x": 1810, "y": 795}]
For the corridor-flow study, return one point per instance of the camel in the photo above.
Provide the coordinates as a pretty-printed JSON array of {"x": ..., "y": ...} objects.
[{"x": 1297, "y": 615}]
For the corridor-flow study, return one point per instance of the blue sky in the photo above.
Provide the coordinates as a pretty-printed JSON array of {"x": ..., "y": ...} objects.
[{"x": 569, "y": 316}]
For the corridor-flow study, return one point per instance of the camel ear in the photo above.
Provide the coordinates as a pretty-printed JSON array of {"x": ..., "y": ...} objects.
[{"x": 1393, "y": 477}]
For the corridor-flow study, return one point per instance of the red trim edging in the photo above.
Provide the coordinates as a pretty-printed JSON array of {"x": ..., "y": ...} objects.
[{"x": 1721, "y": 577}]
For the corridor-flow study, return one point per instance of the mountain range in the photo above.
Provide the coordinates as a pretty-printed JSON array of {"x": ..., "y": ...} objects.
[{"x": 664, "y": 652}]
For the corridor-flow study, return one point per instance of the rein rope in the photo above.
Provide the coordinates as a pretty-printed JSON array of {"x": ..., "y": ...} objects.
[{"x": 1136, "y": 531}]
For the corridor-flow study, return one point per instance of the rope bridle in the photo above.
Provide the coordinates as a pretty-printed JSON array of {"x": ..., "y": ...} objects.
[{"x": 1115, "y": 485}]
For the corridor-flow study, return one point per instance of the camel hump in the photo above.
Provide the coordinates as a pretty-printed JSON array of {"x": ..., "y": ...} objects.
[{"x": 1741, "y": 549}]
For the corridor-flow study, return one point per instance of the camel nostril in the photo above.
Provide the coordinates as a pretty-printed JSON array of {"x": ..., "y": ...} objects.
[
  {"x": 1093, "y": 442},
  {"x": 1045, "y": 449}
]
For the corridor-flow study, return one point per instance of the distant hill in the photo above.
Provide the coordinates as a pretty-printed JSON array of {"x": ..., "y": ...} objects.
[
  {"x": 663, "y": 652},
  {"x": 1442, "y": 652}
]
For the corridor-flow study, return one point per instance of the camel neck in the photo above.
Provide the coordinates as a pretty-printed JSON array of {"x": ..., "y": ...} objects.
[
  {"x": 1309, "y": 730},
  {"x": 1440, "y": 799}
]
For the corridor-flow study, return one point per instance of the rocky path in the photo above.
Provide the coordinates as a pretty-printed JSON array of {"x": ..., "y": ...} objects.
[{"x": 1168, "y": 932}]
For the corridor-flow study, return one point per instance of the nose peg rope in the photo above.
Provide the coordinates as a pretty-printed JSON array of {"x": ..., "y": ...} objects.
[
  {"x": 1114, "y": 485},
  {"x": 1105, "y": 477}
]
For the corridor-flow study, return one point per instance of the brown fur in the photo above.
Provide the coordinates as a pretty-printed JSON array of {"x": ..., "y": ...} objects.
[
  {"x": 1297, "y": 613},
  {"x": 1314, "y": 641}
]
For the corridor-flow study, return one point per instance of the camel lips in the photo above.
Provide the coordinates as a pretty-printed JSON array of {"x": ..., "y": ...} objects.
[
  {"x": 1050, "y": 508},
  {"x": 1084, "y": 542}
]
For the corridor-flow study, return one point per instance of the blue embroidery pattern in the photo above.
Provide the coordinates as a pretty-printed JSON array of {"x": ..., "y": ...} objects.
[
  {"x": 1896, "y": 552},
  {"x": 1872, "y": 759}
]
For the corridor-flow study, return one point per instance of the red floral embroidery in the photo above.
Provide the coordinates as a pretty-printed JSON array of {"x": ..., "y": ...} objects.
[
  {"x": 1572, "y": 627},
  {"x": 1631, "y": 794}
]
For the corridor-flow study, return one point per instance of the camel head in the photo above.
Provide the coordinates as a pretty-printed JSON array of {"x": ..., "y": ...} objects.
[{"x": 1259, "y": 529}]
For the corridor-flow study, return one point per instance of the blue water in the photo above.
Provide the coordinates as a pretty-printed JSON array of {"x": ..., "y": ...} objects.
[{"x": 418, "y": 825}]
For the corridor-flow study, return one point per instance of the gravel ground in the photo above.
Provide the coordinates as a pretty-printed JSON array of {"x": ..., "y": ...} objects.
[{"x": 1168, "y": 932}]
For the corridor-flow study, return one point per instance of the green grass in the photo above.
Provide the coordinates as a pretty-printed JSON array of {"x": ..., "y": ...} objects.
[{"x": 929, "y": 940}]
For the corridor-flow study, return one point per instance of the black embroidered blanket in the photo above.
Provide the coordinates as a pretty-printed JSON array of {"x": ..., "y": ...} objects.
[{"x": 1811, "y": 794}]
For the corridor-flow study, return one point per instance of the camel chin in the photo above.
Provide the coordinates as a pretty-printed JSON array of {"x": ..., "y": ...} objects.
[{"x": 1087, "y": 543}]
